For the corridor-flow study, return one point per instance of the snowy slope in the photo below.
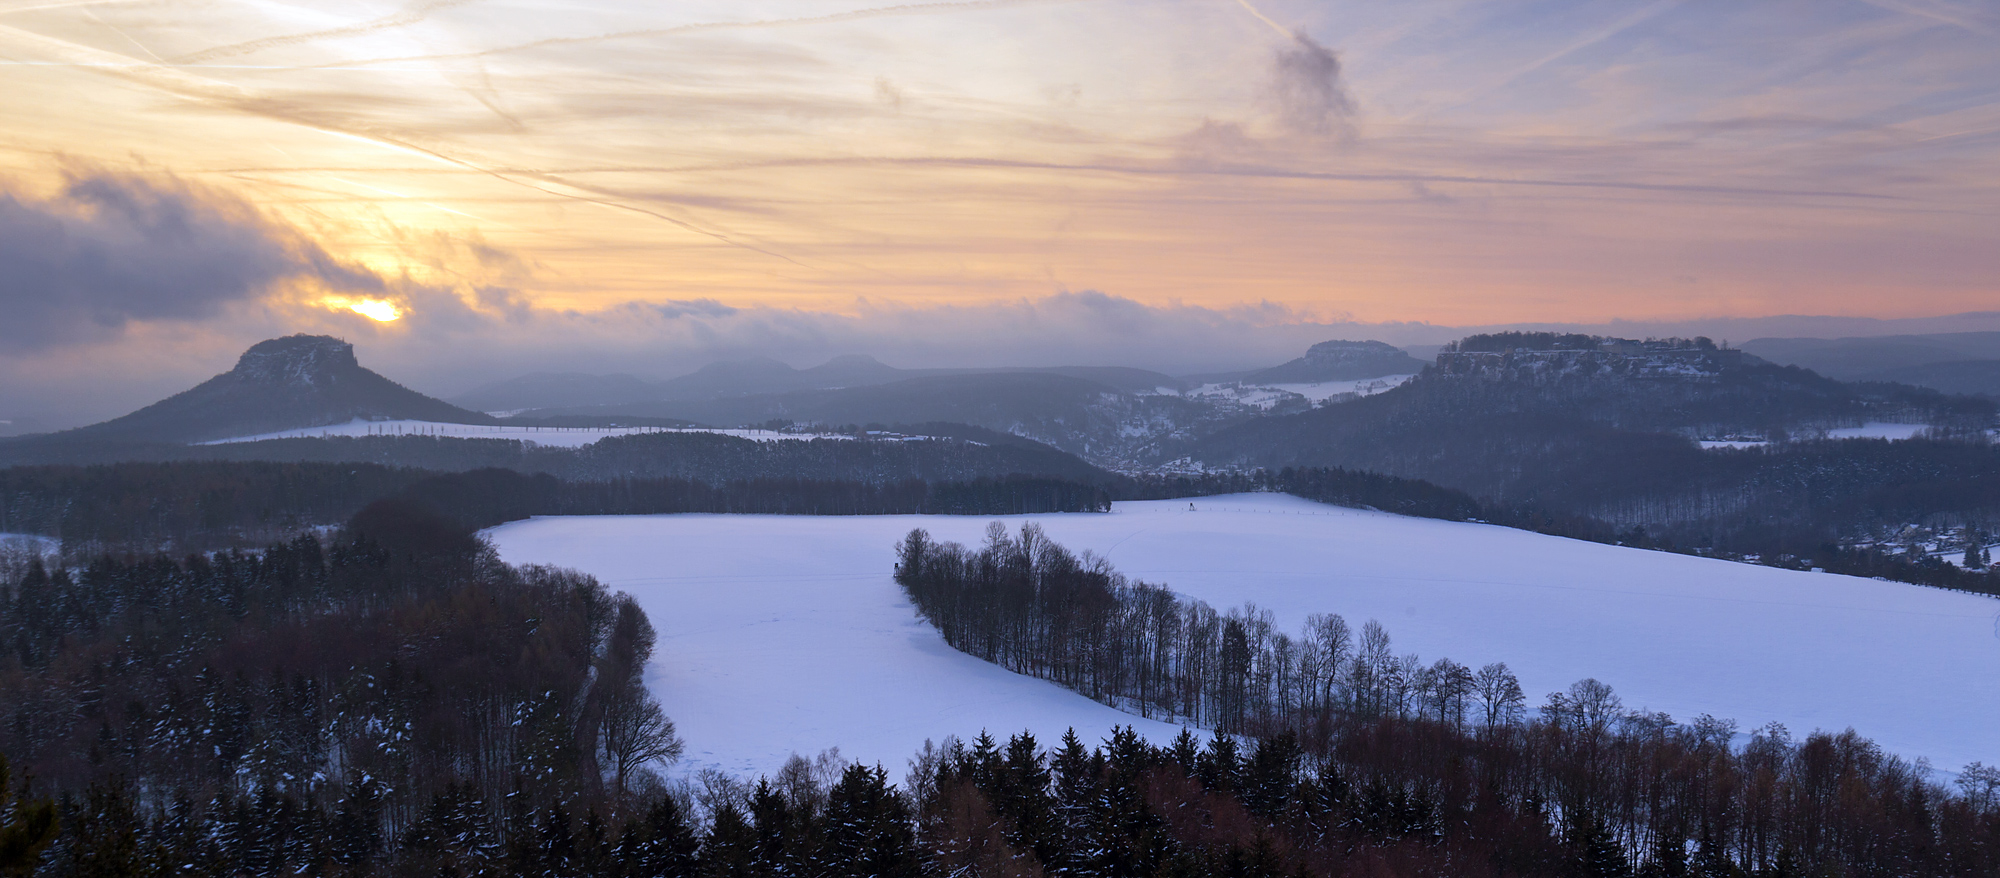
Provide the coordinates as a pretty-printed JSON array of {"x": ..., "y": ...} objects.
[
  {"x": 565, "y": 437},
  {"x": 786, "y": 633}
]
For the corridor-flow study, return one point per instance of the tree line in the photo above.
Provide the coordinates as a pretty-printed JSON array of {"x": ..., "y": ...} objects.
[
  {"x": 195, "y": 506},
  {"x": 712, "y": 457},
  {"x": 1619, "y": 788}
]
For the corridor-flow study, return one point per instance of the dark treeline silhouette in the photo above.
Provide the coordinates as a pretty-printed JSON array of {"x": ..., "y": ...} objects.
[
  {"x": 194, "y": 506},
  {"x": 1397, "y": 797},
  {"x": 1334, "y": 485},
  {"x": 711, "y": 457},
  {"x": 1450, "y": 754},
  {"x": 309, "y": 704},
  {"x": 487, "y": 497}
]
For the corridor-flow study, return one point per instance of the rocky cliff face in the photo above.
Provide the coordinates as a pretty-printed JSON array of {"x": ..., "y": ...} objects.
[
  {"x": 1686, "y": 364},
  {"x": 297, "y": 360}
]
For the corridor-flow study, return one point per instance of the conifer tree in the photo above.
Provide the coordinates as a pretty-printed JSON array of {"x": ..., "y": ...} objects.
[
  {"x": 1218, "y": 765},
  {"x": 357, "y": 822},
  {"x": 730, "y": 848},
  {"x": 103, "y": 834},
  {"x": 1269, "y": 775},
  {"x": 26, "y": 827},
  {"x": 867, "y": 829},
  {"x": 662, "y": 845}
]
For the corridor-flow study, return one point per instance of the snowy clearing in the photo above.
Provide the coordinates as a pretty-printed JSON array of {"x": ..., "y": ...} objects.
[
  {"x": 1264, "y": 396},
  {"x": 1876, "y": 430},
  {"x": 564, "y": 437},
  {"x": 786, "y": 633},
  {"x": 26, "y": 544},
  {"x": 1325, "y": 390}
]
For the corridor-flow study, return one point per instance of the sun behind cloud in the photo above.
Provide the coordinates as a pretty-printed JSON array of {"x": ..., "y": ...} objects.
[{"x": 379, "y": 310}]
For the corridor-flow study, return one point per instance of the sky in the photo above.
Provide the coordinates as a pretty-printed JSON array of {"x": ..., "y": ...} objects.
[{"x": 470, "y": 190}]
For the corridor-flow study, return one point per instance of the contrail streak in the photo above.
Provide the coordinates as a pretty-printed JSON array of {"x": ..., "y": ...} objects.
[
  {"x": 854, "y": 15},
  {"x": 1631, "y": 20},
  {"x": 71, "y": 4},
  {"x": 207, "y": 91},
  {"x": 1282, "y": 31},
  {"x": 405, "y": 18},
  {"x": 1288, "y": 174}
]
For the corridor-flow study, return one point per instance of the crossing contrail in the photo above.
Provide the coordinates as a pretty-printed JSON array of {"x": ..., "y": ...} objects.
[{"x": 1281, "y": 29}]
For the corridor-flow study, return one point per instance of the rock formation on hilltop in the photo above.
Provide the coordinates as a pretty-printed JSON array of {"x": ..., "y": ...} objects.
[
  {"x": 280, "y": 384},
  {"x": 1340, "y": 361}
]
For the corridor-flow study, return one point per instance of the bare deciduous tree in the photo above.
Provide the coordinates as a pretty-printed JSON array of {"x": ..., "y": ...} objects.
[{"x": 637, "y": 732}]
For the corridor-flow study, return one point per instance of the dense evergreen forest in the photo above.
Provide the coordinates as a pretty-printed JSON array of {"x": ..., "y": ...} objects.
[
  {"x": 1374, "y": 763},
  {"x": 315, "y": 702}
]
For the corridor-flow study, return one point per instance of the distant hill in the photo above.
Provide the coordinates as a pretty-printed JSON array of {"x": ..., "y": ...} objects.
[
  {"x": 545, "y": 389},
  {"x": 1096, "y": 417},
  {"x": 1873, "y": 358},
  {"x": 558, "y": 394},
  {"x": 1339, "y": 361},
  {"x": 281, "y": 384},
  {"x": 1575, "y": 422},
  {"x": 1974, "y": 377}
]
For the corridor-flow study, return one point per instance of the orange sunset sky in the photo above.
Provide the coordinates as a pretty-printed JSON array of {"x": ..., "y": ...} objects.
[{"x": 640, "y": 186}]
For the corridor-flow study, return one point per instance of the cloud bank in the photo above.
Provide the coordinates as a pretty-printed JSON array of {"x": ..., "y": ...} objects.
[
  {"x": 108, "y": 249},
  {"x": 126, "y": 286}
]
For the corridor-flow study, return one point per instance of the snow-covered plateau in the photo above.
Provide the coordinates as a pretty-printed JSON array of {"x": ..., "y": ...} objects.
[
  {"x": 564, "y": 437},
  {"x": 783, "y": 634}
]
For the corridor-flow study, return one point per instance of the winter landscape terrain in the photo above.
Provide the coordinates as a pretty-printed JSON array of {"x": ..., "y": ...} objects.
[{"x": 786, "y": 634}]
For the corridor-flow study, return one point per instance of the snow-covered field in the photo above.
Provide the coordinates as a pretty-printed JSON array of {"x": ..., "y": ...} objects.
[
  {"x": 27, "y": 544},
  {"x": 1870, "y": 430},
  {"x": 782, "y": 634},
  {"x": 785, "y": 634},
  {"x": 1876, "y": 430},
  {"x": 566, "y": 437},
  {"x": 1263, "y": 396}
]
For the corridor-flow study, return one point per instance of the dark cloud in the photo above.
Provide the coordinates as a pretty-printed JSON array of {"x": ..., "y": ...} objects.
[
  {"x": 111, "y": 249},
  {"x": 1312, "y": 97}
]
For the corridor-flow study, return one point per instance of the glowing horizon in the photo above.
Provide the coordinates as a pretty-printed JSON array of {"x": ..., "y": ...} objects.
[
  {"x": 1449, "y": 162},
  {"x": 1202, "y": 184}
]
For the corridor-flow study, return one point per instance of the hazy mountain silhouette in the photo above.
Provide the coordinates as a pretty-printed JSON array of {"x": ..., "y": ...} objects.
[
  {"x": 281, "y": 384},
  {"x": 557, "y": 394},
  {"x": 1339, "y": 361}
]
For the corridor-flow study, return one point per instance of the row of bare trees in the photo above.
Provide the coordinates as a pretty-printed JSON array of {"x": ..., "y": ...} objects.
[
  {"x": 1650, "y": 789},
  {"x": 1031, "y": 605}
]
